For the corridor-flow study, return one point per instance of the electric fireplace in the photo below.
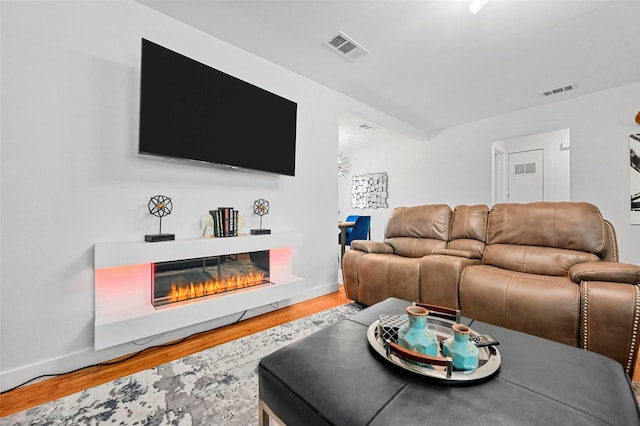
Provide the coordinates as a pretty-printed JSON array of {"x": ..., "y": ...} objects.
[
  {"x": 124, "y": 290},
  {"x": 189, "y": 279}
]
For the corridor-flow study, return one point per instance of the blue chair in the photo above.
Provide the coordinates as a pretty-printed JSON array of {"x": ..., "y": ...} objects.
[
  {"x": 351, "y": 218},
  {"x": 360, "y": 230}
]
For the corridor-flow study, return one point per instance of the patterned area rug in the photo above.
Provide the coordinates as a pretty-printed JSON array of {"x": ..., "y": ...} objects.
[{"x": 218, "y": 386}]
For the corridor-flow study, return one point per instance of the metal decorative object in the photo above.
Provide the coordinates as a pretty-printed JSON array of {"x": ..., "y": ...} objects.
[
  {"x": 160, "y": 206},
  {"x": 344, "y": 166},
  {"x": 261, "y": 208}
]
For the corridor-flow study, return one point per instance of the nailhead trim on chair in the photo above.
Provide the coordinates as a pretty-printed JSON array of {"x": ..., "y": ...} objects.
[
  {"x": 634, "y": 333},
  {"x": 585, "y": 314},
  {"x": 613, "y": 240}
]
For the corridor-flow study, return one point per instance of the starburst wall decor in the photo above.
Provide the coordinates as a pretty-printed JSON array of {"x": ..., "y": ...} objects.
[{"x": 344, "y": 166}]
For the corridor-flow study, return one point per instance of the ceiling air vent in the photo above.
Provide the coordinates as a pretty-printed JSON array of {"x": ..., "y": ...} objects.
[
  {"x": 558, "y": 90},
  {"x": 345, "y": 46},
  {"x": 367, "y": 126}
]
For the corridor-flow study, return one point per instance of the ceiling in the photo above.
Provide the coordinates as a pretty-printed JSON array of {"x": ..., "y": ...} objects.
[{"x": 432, "y": 63}]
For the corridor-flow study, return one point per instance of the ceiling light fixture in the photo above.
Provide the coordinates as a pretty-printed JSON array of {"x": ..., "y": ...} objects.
[{"x": 476, "y": 5}]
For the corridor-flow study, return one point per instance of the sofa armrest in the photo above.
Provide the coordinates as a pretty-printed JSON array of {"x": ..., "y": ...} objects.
[
  {"x": 609, "y": 318},
  {"x": 458, "y": 253},
  {"x": 368, "y": 246},
  {"x": 609, "y": 309},
  {"x": 605, "y": 271}
]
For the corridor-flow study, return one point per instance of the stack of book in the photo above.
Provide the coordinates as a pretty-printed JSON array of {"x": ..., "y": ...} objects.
[{"x": 225, "y": 222}]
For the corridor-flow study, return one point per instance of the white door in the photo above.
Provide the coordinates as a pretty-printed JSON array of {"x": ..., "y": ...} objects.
[
  {"x": 547, "y": 179},
  {"x": 526, "y": 176}
]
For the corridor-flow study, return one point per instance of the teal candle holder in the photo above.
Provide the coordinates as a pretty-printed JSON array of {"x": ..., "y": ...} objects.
[
  {"x": 463, "y": 352},
  {"x": 415, "y": 335}
]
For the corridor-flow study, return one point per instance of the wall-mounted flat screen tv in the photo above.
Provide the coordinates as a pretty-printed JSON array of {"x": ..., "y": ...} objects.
[{"x": 191, "y": 111}]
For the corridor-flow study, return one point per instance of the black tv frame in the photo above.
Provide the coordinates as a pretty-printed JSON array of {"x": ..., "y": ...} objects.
[{"x": 192, "y": 112}]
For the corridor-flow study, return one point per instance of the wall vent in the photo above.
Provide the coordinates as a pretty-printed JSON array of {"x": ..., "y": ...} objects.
[
  {"x": 525, "y": 169},
  {"x": 345, "y": 46},
  {"x": 558, "y": 90},
  {"x": 368, "y": 126}
]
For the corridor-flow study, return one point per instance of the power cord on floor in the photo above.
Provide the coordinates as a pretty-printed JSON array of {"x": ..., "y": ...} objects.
[
  {"x": 118, "y": 361},
  {"x": 149, "y": 340}
]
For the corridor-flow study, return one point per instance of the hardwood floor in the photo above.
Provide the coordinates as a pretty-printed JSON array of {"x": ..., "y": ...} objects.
[{"x": 60, "y": 386}]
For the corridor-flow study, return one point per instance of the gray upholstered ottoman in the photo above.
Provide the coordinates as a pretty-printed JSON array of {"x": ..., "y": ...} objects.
[{"x": 333, "y": 378}]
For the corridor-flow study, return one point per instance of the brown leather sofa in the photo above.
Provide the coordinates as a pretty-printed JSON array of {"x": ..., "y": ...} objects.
[{"x": 547, "y": 268}]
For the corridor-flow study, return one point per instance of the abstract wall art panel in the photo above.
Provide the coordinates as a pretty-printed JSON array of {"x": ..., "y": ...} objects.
[{"x": 369, "y": 191}]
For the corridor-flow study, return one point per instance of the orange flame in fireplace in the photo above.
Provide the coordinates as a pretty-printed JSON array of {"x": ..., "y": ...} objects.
[{"x": 180, "y": 292}]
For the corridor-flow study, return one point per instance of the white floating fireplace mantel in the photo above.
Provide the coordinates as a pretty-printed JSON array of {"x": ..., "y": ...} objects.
[{"x": 123, "y": 271}]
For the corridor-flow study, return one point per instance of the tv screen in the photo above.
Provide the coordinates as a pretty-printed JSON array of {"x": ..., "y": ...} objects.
[{"x": 191, "y": 111}]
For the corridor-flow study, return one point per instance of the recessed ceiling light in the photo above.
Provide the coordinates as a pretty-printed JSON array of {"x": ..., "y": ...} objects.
[{"x": 476, "y": 5}]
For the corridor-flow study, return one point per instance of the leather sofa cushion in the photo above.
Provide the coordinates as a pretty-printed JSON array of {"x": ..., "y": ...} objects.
[
  {"x": 468, "y": 228},
  {"x": 427, "y": 221},
  {"x": 570, "y": 225},
  {"x": 387, "y": 275},
  {"x": 469, "y": 222},
  {"x": 535, "y": 260},
  {"x": 416, "y": 231},
  {"x": 468, "y": 245},
  {"x": 414, "y": 247},
  {"x": 439, "y": 277},
  {"x": 541, "y": 305}
]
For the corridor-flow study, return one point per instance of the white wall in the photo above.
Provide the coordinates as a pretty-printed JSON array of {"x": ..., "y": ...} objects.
[
  {"x": 454, "y": 167},
  {"x": 71, "y": 176}
]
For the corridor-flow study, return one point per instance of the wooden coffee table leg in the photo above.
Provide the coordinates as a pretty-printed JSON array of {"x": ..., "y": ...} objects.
[{"x": 265, "y": 415}]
